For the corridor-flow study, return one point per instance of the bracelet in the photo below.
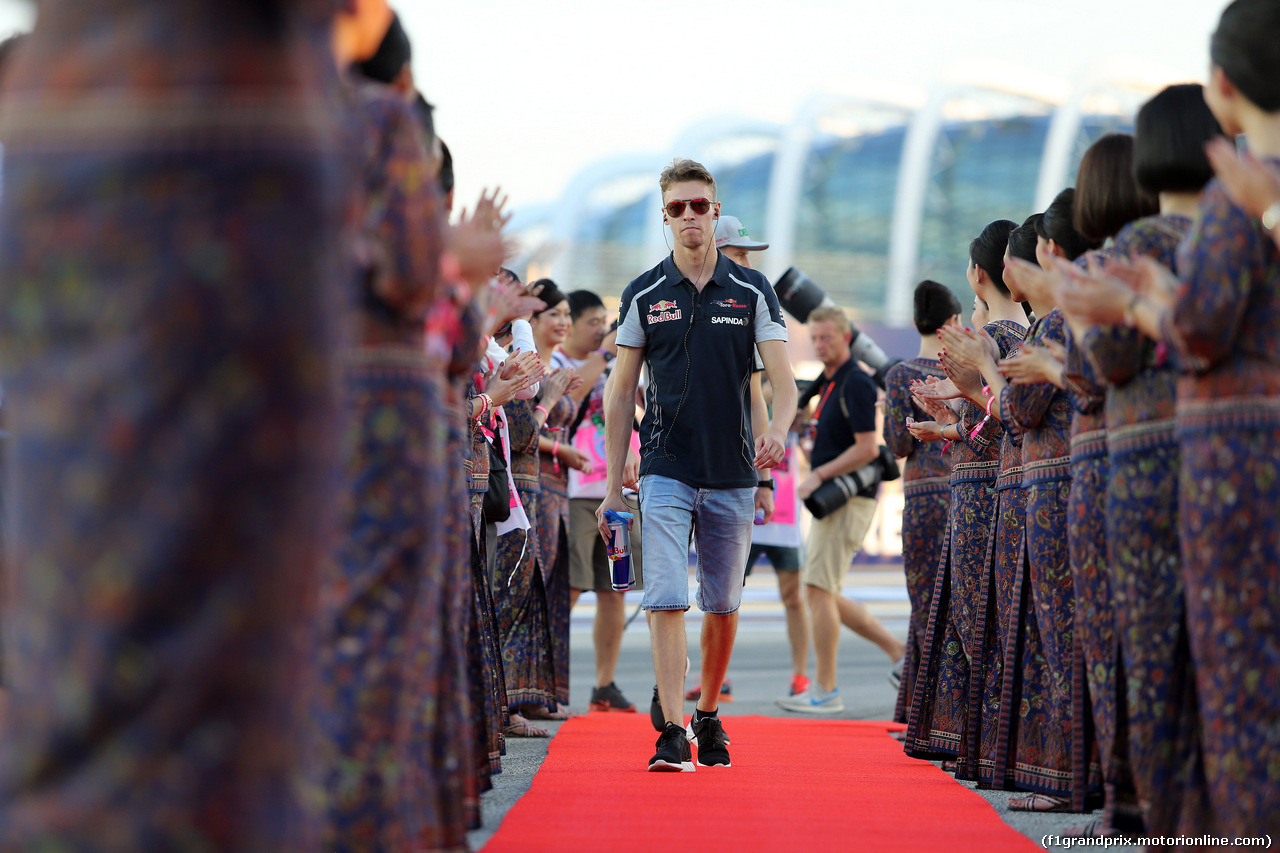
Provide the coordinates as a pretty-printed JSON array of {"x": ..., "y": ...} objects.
[
  {"x": 767, "y": 484},
  {"x": 555, "y": 455},
  {"x": 990, "y": 400},
  {"x": 1130, "y": 321},
  {"x": 1271, "y": 217},
  {"x": 545, "y": 414}
]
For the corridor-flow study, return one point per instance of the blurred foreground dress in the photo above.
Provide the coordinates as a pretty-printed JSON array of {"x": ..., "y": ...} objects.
[
  {"x": 392, "y": 703},
  {"x": 174, "y": 199}
]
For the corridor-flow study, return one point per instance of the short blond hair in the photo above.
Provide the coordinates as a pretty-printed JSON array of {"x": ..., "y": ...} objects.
[
  {"x": 683, "y": 169},
  {"x": 832, "y": 313}
]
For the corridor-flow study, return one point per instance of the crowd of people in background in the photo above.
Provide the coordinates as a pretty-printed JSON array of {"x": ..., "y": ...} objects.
[
  {"x": 304, "y": 483},
  {"x": 1091, "y": 469}
]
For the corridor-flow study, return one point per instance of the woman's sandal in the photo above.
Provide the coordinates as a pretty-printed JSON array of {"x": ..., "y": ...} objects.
[
  {"x": 521, "y": 727},
  {"x": 1039, "y": 803},
  {"x": 948, "y": 767},
  {"x": 539, "y": 712}
]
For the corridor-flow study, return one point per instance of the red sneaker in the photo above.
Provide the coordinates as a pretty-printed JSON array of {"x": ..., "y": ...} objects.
[{"x": 693, "y": 694}]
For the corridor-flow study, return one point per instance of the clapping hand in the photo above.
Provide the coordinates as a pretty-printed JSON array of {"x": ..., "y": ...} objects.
[
  {"x": 476, "y": 240},
  {"x": 514, "y": 375},
  {"x": 1034, "y": 364},
  {"x": 1246, "y": 179},
  {"x": 555, "y": 384},
  {"x": 936, "y": 409},
  {"x": 968, "y": 349},
  {"x": 934, "y": 388},
  {"x": 925, "y": 430}
]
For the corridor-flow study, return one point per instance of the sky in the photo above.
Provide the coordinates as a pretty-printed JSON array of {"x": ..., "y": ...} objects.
[{"x": 530, "y": 93}]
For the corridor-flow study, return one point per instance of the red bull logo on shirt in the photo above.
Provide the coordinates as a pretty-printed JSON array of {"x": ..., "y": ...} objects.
[{"x": 663, "y": 310}]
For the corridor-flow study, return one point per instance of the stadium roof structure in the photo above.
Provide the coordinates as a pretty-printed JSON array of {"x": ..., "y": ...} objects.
[{"x": 868, "y": 190}]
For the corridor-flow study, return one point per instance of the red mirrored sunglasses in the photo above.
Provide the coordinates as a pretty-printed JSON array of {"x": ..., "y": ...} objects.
[{"x": 675, "y": 207}]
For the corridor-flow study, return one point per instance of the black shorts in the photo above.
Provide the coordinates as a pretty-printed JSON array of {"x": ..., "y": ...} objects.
[{"x": 782, "y": 558}]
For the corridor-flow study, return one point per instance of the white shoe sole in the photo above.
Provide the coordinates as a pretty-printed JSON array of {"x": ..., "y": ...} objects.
[
  {"x": 700, "y": 764},
  {"x": 820, "y": 710},
  {"x": 661, "y": 766}
]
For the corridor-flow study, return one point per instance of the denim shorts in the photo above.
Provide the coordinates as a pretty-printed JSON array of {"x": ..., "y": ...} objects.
[{"x": 720, "y": 523}]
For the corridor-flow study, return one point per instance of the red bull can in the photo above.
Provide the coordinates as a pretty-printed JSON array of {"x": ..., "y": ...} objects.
[{"x": 619, "y": 547}]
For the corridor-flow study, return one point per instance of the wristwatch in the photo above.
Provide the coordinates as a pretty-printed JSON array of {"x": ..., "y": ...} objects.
[
  {"x": 1271, "y": 217},
  {"x": 769, "y": 484}
]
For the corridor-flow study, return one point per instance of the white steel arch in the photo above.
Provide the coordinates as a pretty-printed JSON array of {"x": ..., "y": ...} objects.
[
  {"x": 786, "y": 182},
  {"x": 917, "y": 160},
  {"x": 1133, "y": 78}
]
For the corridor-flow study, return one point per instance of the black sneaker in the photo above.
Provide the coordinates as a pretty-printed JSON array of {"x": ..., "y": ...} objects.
[
  {"x": 655, "y": 712},
  {"x": 674, "y": 754},
  {"x": 610, "y": 698},
  {"x": 712, "y": 744}
]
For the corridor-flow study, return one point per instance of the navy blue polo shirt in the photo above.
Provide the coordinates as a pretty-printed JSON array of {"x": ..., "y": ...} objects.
[
  {"x": 846, "y": 409},
  {"x": 699, "y": 349}
]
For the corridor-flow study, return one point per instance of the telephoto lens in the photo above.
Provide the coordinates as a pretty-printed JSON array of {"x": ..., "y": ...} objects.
[
  {"x": 799, "y": 296},
  {"x": 837, "y": 491}
]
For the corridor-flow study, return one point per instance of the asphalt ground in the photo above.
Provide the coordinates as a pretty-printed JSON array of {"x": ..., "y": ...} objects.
[{"x": 759, "y": 674}]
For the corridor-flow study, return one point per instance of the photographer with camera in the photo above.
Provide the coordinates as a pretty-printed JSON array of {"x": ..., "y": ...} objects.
[{"x": 841, "y": 440}]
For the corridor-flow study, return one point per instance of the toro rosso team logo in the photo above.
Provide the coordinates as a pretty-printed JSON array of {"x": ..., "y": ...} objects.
[
  {"x": 663, "y": 310},
  {"x": 729, "y": 303}
]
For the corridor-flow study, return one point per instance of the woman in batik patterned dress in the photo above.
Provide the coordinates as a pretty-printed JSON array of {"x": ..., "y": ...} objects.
[
  {"x": 1161, "y": 744},
  {"x": 1225, "y": 327},
  {"x": 171, "y": 312},
  {"x": 940, "y": 702},
  {"x": 1107, "y": 199},
  {"x": 550, "y": 327},
  {"x": 1051, "y": 724},
  {"x": 384, "y": 597},
  {"x": 521, "y": 594},
  {"x": 990, "y": 721},
  {"x": 925, "y": 475},
  {"x": 1221, "y": 319}
]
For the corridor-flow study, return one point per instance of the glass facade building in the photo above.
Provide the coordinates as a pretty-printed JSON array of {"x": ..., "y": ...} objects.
[{"x": 985, "y": 158}]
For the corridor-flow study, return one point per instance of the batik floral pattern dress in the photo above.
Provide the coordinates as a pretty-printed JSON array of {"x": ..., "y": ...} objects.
[
  {"x": 1159, "y": 755},
  {"x": 925, "y": 485},
  {"x": 1225, "y": 328},
  {"x": 520, "y": 596},
  {"x": 1093, "y": 686},
  {"x": 988, "y": 718},
  {"x": 1040, "y": 664},
  {"x": 170, "y": 317},
  {"x": 940, "y": 703},
  {"x": 553, "y": 553}
]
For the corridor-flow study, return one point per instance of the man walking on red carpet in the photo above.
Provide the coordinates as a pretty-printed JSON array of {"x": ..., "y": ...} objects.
[{"x": 695, "y": 321}]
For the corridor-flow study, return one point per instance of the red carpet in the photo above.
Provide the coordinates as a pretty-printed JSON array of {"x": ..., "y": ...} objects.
[{"x": 820, "y": 785}]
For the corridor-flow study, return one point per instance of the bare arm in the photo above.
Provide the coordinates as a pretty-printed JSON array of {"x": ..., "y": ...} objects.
[
  {"x": 619, "y": 412},
  {"x": 862, "y": 451},
  {"x": 759, "y": 426},
  {"x": 771, "y": 444}
]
